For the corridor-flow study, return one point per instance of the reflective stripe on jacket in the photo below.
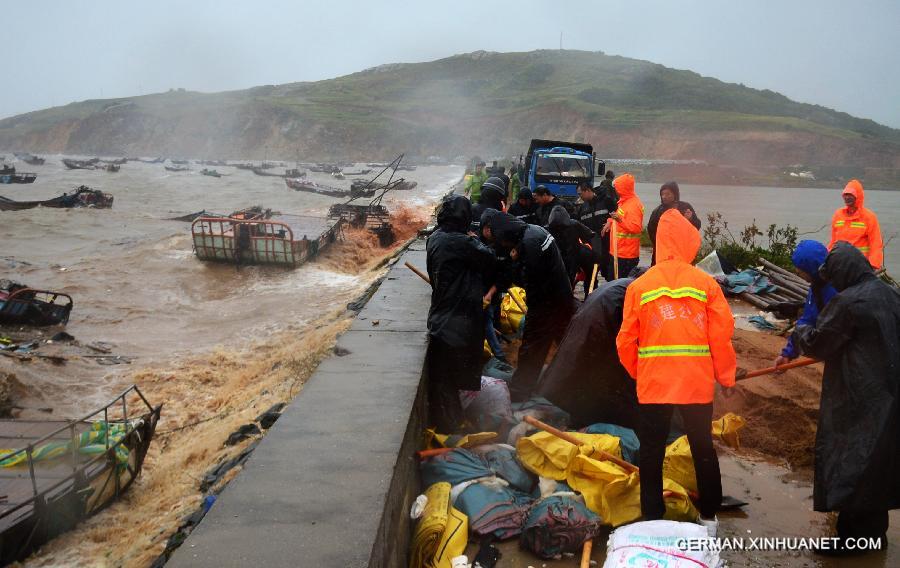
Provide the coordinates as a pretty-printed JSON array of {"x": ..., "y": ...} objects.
[
  {"x": 860, "y": 229},
  {"x": 675, "y": 338}
]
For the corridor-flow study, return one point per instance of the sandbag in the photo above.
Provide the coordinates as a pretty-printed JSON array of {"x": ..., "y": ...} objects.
[
  {"x": 502, "y": 460},
  {"x": 655, "y": 543},
  {"x": 628, "y": 440},
  {"x": 489, "y": 409},
  {"x": 453, "y": 467},
  {"x": 435, "y": 440},
  {"x": 548, "y": 456},
  {"x": 678, "y": 464},
  {"x": 727, "y": 429},
  {"x": 615, "y": 494},
  {"x": 494, "y": 509},
  {"x": 441, "y": 532},
  {"x": 556, "y": 525},
  {"x": 512, "y": 318}
]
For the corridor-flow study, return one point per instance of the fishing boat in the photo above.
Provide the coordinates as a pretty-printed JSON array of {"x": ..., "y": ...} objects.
[
  {"x": 83, "y": 197},
  {"x": 18, "y": 178},
  {"x": 112, "y": 168},
  {"x": 7, "y": 170},
  {"x": 118, "y": 161},
  {"x": 150, "y": 160},
  {"x": 374, "y": 217},
  {"x": 211, "y": 173},
  {"x": 358, "y": 173},
  {"x": 79, "y": 164},
  {"x": 398, "y": 184},
  {"x": 178, "y": 162},
  {"x": 31, "y": 159},
  {"x": 255, "y": 236},
  {"x": 20, "y": 304},
  {"x": 57, "y": 473},
  {"x": 212, "y": 163},
  {"x": 292, "y": 173},
  {"x": 177, "y": 168},
  {"x": 244, "y": 166},
  {"x": 313, "y": 187}
]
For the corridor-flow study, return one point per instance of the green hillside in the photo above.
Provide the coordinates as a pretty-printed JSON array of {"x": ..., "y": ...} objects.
[{"x": 487, "y": 103}]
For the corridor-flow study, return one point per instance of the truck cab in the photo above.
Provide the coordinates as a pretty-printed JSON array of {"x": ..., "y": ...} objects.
[{"x": 560, "y": 166}]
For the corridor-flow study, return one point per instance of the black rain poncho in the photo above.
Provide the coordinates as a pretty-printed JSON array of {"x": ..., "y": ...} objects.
[
  {"x": 458, "y": 265},
  {"x": 857, "y": 335},
  {"x": 585, "y": 377}
]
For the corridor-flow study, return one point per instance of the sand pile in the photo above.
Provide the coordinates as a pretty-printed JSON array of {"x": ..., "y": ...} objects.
[{"x": 781, "y": 410}]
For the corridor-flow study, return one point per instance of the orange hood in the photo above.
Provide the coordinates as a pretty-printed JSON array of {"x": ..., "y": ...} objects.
[
  {"x": 676, "y": 238},
  {"x": 624, "y": 185},
  {"x": 855, "y": 188}
]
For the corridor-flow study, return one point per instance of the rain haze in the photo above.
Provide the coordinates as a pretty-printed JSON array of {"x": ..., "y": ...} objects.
[{"x": 823, "y": 52}]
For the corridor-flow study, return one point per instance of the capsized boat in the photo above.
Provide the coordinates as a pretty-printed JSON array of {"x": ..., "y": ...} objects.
[
  {"x": 54, "y": 474},
  {"x": 83, "y": 197},
  {"x": 257, "y": 236},
  {"x": 20, "y": 304}
]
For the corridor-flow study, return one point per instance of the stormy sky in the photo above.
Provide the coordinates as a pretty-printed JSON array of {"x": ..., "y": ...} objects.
[{"x": 844, "y": 55}]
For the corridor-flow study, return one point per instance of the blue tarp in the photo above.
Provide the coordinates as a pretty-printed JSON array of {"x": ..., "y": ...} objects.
[{"x": 747, "y": 280}]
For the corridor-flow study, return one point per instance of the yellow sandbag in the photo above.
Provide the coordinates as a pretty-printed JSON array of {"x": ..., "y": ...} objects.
[
  {"x": 678, "y": 465},
  {"x": 615, "y": 494},
  {"x": 441, "y": 532},
  {"x": 548, "y": 456},
  {"x": 510, "y": 313},
  {"x": 435, "y": 440},
  {"x": 727, "y": 428}
]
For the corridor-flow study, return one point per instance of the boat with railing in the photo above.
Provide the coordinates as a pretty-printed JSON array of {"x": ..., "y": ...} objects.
[
  {"x": 256, "y": 236},
  {"x": 20, "y": 304},
  {"x": 54, "y": 474}
]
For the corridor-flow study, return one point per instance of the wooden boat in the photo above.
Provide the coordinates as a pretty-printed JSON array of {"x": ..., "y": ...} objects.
[
  {"x": 18, "y": 178},
  {"x": 20, "y": 304},
  {"x": 83, "y": 197},
  {"x": 212, "y": 163},
  {"x": 112, "y": 168},
  {"x": 291, "y": 173},
  {"x": 117, "y": 161},
  {"x": 254, "y": 236},
  {"x": 398, "y": 184},
  {"x": 31, "y": 159},
  {"x": 150, "y": 160},
  {"x": 178, "y": 162},
  {"x": 375, "y": 218},
  {"x": 79, "y": 164},
  {"x": 177, "y": 168},
  {"x": 7, "y": 170},
  {"x": 211, "y": 173},
  {"x": 63, "y": 471},
  {"x": 313, "y": 187},
  {"x": 359, "y": 173},
  {"x": 244, "y": 166}
]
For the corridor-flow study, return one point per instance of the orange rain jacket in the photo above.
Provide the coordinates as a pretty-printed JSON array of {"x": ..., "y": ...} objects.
[
  {"x": 676, "y": 330},
  {"x": 859, "y": 229},
  {"x": 631, "y": 210}
]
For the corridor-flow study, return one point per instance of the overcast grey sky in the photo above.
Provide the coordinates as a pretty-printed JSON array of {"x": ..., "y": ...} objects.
[{"x": 841, "y": 54}]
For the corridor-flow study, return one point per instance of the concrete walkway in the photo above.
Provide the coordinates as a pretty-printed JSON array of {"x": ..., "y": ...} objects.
[{"x": 332, "y": 482}]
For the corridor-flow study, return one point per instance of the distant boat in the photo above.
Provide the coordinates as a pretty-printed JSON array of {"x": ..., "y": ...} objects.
[
  {"x": 117, "y": 161},
  {"x": 291, "y": 173},
  {"x": 359, "y": 173},
  {"x": 80, "y": 164},
  {"x": 313, "y": 187},
  {"x": 31, "y": 159},
  {"x": 212, "y": 163},
  {"x": 244, "y": 166},
  {"x": 178, "y": 162},
  {"x": 177, "y": 168},
  {"x": 18, "y": 178},
  {"x": 112, "y": 168},
  {"x": 210, "y": 173},
  {"x": 150, "y": 160},
  {"x": 398, "y": 184},
  {"x": 7, "y": 170}
]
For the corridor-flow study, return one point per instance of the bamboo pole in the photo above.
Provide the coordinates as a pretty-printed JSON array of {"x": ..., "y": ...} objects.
[
  {"x": 593, "y": 279},
  {"x": 743, "y": 374},
  {"x": 418, "y": 272},
  {"x": 586, "y": 554},
  {"x": 755, "y": 300},
  {"x": 786, "y": 273},
  {"x": 615, "y": 243}
]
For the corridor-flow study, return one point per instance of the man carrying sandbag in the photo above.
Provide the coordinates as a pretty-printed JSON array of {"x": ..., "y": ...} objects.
[
  {"x": 857, "y": 467},
  {"x": 675, "y": 341}
]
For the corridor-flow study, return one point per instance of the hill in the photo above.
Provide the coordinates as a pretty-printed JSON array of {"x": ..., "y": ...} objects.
[{"x": 484, "y": 103}]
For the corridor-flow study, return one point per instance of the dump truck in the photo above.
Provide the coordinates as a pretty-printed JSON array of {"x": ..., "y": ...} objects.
[{"x": 559, "y": 166}]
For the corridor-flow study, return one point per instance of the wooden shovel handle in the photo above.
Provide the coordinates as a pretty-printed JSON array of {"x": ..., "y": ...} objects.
[
  {"x": 418, "y": 272},
  {"x": 768, "y": 370}
]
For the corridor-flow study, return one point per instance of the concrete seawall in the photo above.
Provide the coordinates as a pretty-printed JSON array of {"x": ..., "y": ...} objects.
[{"x": 332, "y": 482}]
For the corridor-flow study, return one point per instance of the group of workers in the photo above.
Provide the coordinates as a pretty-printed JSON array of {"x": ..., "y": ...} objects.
[{"x": 651, "y": 344}]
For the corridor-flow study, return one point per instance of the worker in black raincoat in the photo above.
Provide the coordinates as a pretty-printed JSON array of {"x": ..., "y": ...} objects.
[
  {"x": 857, "y": 453},
  {"x": 597, "y": 204},
  {"x": 586, "y": 378},
  {"x": 669, "y": 197},
  {"x": 573, "y": 240},
  {"x": 524, "y": 208},
  {"x": 539, "y": 269},
  {"x": 458, "y": 266},
  {"x": 493, "y": 196}
]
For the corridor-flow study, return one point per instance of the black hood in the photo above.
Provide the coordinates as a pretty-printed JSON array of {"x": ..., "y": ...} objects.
[
  {"x": 486, "y": 217},
  {"x": 455, "y": 214},
  {"x": 507, "y": 228},
  {"x": 559, "y": 218},
  {"x": 845, "y": 266},
  {"x": 673, "y": 186}
]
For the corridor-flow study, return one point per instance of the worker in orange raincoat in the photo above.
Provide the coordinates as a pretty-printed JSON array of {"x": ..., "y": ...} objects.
[
  {"x": 629, "y": 222},
  {"x": 675, "y": 340},
  {"x": 858, "y": 225}
]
